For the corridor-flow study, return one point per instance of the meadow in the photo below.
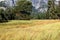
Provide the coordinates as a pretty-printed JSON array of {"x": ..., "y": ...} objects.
[{"x": 30, "y": 30}]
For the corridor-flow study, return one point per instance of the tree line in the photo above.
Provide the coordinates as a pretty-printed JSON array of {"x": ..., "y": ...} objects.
[
  {"x": 23, "y": 11},
  {"x": 53, "y": 11}
]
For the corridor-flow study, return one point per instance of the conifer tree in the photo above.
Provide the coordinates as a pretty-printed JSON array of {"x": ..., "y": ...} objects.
[
  {"x": 51, "y": 10},
  {"x": 58, "y": 10}
]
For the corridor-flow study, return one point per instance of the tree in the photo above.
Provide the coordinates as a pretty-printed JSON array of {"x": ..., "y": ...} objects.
[
  {"x": 10, "y": 13},
  {"x": 58, "y": 10},
  {"x": 3, "y": 17},
  {"x": 51, "y": 10},
  {"x": 23, "y": 9}
]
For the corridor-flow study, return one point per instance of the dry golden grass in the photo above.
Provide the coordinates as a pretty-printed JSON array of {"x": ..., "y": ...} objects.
[
  {"x": 44, "y": 22},
  {"x": 30, "y": 30}
]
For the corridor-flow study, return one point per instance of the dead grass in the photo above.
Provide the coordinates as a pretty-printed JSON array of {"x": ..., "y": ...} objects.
[
  {"x": 30, "y": 30},
  {"x": 43, "y": 22}
]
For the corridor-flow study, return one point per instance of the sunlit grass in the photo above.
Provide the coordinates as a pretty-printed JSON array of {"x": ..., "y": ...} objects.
[{"x": 30, "y": 30}]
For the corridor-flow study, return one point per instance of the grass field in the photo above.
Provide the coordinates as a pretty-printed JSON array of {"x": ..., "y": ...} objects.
[{"x": 30, "y": 30}]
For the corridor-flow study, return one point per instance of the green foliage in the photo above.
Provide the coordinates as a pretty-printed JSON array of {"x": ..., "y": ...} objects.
[
  {"x": 39, "y": 16},
  {"x": 51, "y": 12},
  {"x": 24, "y": 5},
  {"x": 19, "y": 12},
  {"x": 3, "y": 17},
  {"x": 24, "y": 9},
  {"x": 58, "y": 10},
  {"x": 42, "y": 16},
  {"x": 10, "y": 13}
]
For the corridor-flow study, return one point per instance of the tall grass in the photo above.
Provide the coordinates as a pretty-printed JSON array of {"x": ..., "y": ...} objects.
[{"x": 48, "y": 31}]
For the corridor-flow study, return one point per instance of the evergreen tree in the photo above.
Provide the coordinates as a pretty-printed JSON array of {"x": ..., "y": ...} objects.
[
  {"x": 58, "y": 10},
  {"x": 51, "y": 10}
]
